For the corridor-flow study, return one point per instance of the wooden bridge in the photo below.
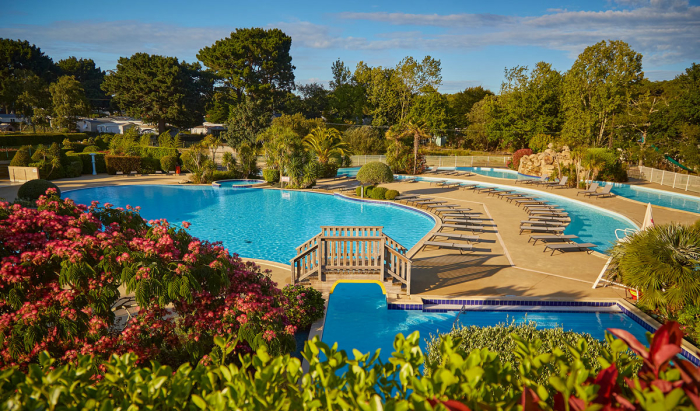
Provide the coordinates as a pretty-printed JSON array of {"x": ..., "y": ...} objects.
[{"x": 358, "y": 253}]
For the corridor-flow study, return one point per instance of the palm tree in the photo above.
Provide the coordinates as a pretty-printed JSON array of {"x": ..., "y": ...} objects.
[
  {"x": 663, "y": 262},
  {"x": 417, "y": 130},
  {"x": 326, "y": 143}
]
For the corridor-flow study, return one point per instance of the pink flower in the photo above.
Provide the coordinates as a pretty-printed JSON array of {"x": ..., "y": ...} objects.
[{"x": 185, "y": 224}]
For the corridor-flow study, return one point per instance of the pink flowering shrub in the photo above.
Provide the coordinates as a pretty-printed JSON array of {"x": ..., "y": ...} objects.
[
  {"x": 305, "y": 305},
  {"x": 62, "y": 266},
  {"x": 515, "y": 163}
]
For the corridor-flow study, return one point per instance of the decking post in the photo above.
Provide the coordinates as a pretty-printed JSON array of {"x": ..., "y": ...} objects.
[{"x": 408, "y": 277}]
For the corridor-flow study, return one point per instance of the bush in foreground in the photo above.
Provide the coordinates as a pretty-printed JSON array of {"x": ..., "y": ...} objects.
[
  {"x": 461, "y": 381},
  {"x": 33, "y": 189},
  {"x": 378, "y": 193},
  {"x": 503, "y": 339},
  {"x": 61, "y": 266},
  {"x": 391, "y": 194}
]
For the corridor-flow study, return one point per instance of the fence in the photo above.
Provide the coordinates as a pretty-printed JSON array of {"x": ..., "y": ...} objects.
[
  {"x": 444, "y": 161},
  {"x": 684, "y": 182}
]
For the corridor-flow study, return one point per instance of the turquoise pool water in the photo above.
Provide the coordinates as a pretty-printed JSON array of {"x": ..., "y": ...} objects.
[
  {"x": 496, "y": 172},
  {"x": 358, "y": 318},
  {"x": 257, "y": 223},
  {"x": 235, "y": 183},
  {"x": 658, "y": 197}
]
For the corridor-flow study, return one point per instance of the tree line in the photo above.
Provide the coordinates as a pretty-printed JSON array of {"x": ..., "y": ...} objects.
[{"x": 247, "y": 79}]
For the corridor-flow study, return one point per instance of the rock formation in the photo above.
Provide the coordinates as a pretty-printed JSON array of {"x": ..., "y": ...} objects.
[{"x": 545, "y": 163}]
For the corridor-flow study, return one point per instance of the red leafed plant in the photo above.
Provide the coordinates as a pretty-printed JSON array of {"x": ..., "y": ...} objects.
[
  {"x": 62, "y": 266},
  {"x": 515, "y": 162}
]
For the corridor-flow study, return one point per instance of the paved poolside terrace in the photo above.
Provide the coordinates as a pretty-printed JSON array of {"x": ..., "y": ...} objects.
[{"x": 511, "y": 267}]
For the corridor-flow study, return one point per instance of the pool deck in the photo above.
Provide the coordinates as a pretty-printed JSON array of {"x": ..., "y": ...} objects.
[{"x": 509, "y": 267}]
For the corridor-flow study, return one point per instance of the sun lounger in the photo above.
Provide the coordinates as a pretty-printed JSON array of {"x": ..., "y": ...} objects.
[
  {"x": 438, "y": 205},
  {"x": 466, "y": 221},
  {"x": 541, "y": 207},
  {"x": 438, "y": 182},
  {"x": 468, "y": 186},
  {"x": 552, "y": 238},
  {"x": 548, "y": 218},
  {"x": 470, "y": 238},
  {"x": 605, "y": 193},
  {"x": 406, "y": 197},
  {"x": 431, "y": 170},
  {"x": 485, "y": 190},
  {"x": 471, "y": 228},
  {"x": 432, "y": 203},
  {"x": 543, "y": 229},
  {"x": 461, "y": 215},
  {"x": 406, "y": 180},
  {"x": 546, "y": 214},
  {"x": 570, "y": 247},
  {"x": 544, "y": 223},
  {"x": 444, "y": 208},
  {"x": 499, "y": 192},
  {"x": 422, "y": 200},
  {"x": 592, "y": 189},
  {"x": 448, "y": 172},
  {"x": 548, "y": 209},
  {"x": 464, "y": 174},
  {"x": 452, "y": 246},
  {"x": 450, "y": 184},
  {"x": 529, "y": 180},
  {"x": 560, "y": 184},
  {"x": 529, "y": 200}
]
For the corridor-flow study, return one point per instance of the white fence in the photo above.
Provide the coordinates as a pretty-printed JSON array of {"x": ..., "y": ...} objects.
[
  {"x": 669, "y": 178},
  {"x": 444, "y": 161}
]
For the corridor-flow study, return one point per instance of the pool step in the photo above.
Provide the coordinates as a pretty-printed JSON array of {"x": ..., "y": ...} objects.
[{"x": 538, "y": 308}]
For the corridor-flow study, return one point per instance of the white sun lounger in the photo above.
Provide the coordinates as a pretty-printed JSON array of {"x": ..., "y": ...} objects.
[{"x": 592, "y": 189}]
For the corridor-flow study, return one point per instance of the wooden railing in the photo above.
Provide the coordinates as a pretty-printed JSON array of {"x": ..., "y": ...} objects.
[{"x": 355, "y": 252}]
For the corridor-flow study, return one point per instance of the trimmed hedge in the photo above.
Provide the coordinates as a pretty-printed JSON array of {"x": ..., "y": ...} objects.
[
  {"x": 125, "y": 164},
  {"x": 391, "y": 194},
  {"x": 149, "y": 165},
  {"x": 168, "y": 163},
  {"x": 272, "y": 176},
  {"x": 368, "y": 190},
  {"x": 378, "y": 193},
  {"x": 375, "y": 172},
  {"x": 86, "y": 160},
  {"x": 33, "y": 189},
  {"x": 20, "y": 139},
  {"x": 21, "y": 158},
  {"x": 159, "y": 152},
  {"x": 91, "y": 149}
]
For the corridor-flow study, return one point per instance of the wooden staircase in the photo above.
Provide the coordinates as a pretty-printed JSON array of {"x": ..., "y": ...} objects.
[{"x": 352, "y": 253}]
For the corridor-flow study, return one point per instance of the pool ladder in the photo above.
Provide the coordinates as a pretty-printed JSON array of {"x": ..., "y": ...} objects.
[{"x": 461, "y": 311}]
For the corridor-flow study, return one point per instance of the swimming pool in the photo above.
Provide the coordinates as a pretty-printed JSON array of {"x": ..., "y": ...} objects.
[
  {"x": 657, "y": 197},
  {"x": 257, "y": 223},
  {"x": 236, "y": 183},
  {"x": 496, "y": 172},
  {"x": 358, "y": 317}
]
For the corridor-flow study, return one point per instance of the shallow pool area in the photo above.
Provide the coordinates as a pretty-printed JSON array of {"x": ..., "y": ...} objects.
[
  {"x": 496, "y": 172},
  {"x": 657, "y": 197},
  {"x": 257, "y": 223},
  {"x": 242, "y": 183},
  {"x": 358, "y": 317}
]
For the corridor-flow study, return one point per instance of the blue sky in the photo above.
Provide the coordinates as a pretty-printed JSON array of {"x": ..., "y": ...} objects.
[{"x": 475, "y": 40}]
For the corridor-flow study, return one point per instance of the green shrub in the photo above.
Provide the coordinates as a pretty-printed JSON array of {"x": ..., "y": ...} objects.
[
  {"x": 329, "y": 170},
  {"x": 21, "y": 158},
  {"x": 378, "y": 193},
  {"x": 391, "y": 194},
  {"x": 33, "y": 189},
  {"x": 74, "y": 167},
  {"x": 168, "y": 163},
  {"x": 271, "y": 176},
  {"x": 91, "y": 149},
  {"x": 306, "y": 305},
  {"x": 225, "y": 175},
  {"x": 159, "y": 152},
  {"x": 499, "y": 339},
  {"x": 86, "y": 160},
  {"x": 32, "y": 139},
  {"x": 375, "y": 172},
  {"x": 605, "y": 165},
  {"x": 367, "y": 189},
  {"x": 149, "y": 165},
  {"x": 125, "y": 164}
]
